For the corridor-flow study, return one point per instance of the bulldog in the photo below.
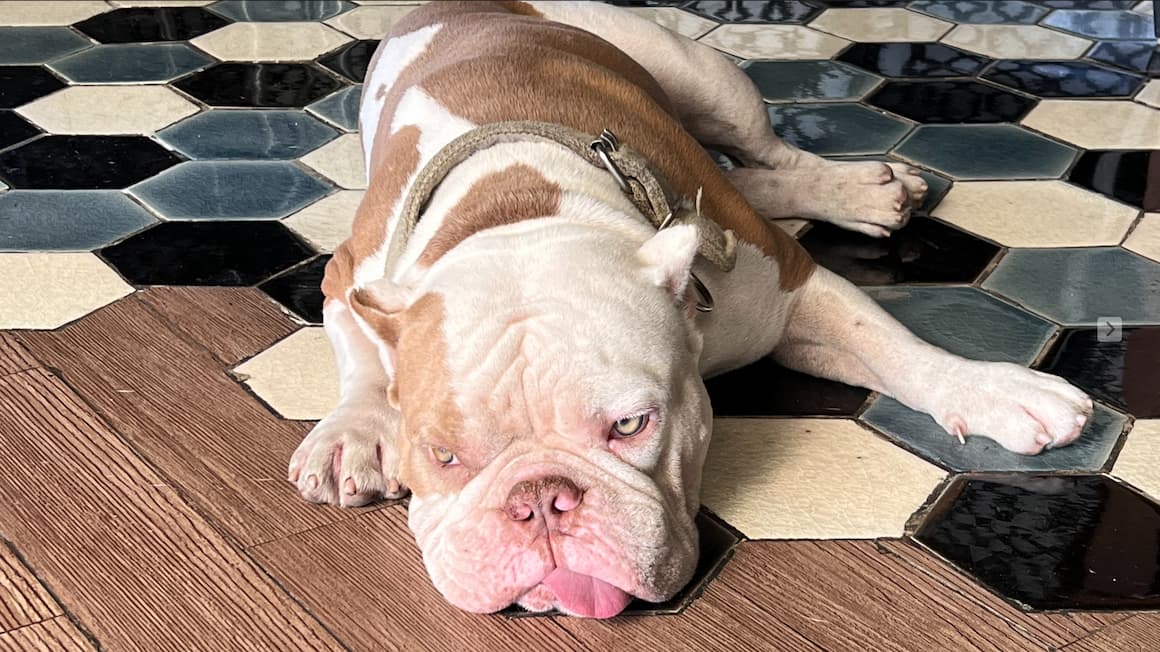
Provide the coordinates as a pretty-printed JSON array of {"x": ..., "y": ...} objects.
[{"x": 522, "y": 336}]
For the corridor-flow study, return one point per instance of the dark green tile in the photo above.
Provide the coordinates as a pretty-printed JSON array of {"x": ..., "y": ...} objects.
[
  {"x": 131, "y": 62},
  {"x": 835, "y": 129},
  {"x": 986, "y": 152}
]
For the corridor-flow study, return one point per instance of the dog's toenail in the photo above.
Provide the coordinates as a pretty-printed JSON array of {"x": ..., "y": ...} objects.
[
  {"x": 312, "y": 482},
  {"x": 1043, "y": 438},
  {"x": 350, "y": 487},
  {"x": 1080, "y": 420},
  {"x": 393, "y": 486}
]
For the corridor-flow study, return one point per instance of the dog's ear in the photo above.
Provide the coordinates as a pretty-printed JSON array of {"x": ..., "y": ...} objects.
[
  {"x": 668, "y": 257},
  {"x": 380, "y": 304}
]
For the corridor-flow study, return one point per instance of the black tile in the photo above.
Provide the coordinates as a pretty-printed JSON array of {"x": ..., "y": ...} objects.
[
  {"x": 766, "y": 389},
  {"x": 14, "y": 129},
  {"x": 1051, "y": 542},
  {"x": 853, "y": 4},
  {"x": 260, "y": 84},
  {"x": 207, "y": 253},
  {"x": 84, "y": 162},
  {"x": 351, "y": 60},
  {"x": 1063, "y": 79},
  {"x": 755, "y": 11},
  {"x": 20, "y": 85},
  {"x": 924, "y": 251},
  {"x": 914, "y": 59},
  {"x": 147, "y": 24},
  {"x": 1137, "y": 56},
  {"x": 1124, "y": 373},
  {"x": 951, "y": 102},
  {"x": 1130, "y": 176},
  {"x": 1088, "y": 4},
  {"x": 300, "y": 289}
]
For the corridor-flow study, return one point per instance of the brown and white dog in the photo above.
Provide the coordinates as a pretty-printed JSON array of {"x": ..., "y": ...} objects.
[{"x": 531, "y": 369}]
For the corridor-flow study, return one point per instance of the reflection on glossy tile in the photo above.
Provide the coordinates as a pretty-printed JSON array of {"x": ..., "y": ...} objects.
[
  {"x": 270, "y": 41},
  {"x": 339, "y": 108},
  {"x": 1012, "y": 213},
  {"x": 1125, "y": 372},
  {"x": 138, "y": 25},
  {"x": 283, "y": 10},
  {"x": 108, "y": 110},
  {"x": 75, "y": 220},
  {"x": 982, "y": 11},
  {"x": 48, "y": 290},
  {"x": 22, "y": 84},
  {"x": 341, "y": 161},
  {"x": 230, "y": 190},
  {"x": 766, "y": 389},
  {"x": 924, "y": 251},
  {"x": 259, "y": 84},
  {"x": 986, "y": 152},
  {"x": 38, "y": 44},
  {"x": 921, "y": 434},
  {"x": 1132, "y": 177},
  {"x": 1137, "y": 56},
  {"x": 1095, "y": 124},
  {"x": 300, "y": 289},
  {"x": 132, "y": 62},
  {"x": 1051, "y": 542},
  {"x": 14, "y": 129},
  {"x": 774, "y": 42},
  {"x": 84, "y": 162},
  {"x": 1017, "y": 42},
  {"x": 836, "y": 128},
  {"x": 327, "y": 222},
  {"x": 1138, "y": 463},
  {"x": 235, "y": 134},
  {"x": 913, "y": 59},
  {"x": 1120, "y": 25},
  {"x": 881, "y": 25},
  {"x": 781, "y": 81},
  {"x": 297, "y": 377},
  {"x": 1145, "y": 238},
  {"x": 754, "y": 11},
  {"x": 351, "y": 60},
  {"x": 790, "y": 479},
  {"x": 58, "y": 12},
  {"x": 372, "y": 22},
  {"x": 1063, "y": 79},
  {"x": 1074, "y": 287},
  {"x": 957, "y": 101},
  {"x": 207, "y": 253}
]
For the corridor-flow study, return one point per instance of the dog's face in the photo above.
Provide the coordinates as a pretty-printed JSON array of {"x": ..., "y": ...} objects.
[{"x": 554, "y": 422}]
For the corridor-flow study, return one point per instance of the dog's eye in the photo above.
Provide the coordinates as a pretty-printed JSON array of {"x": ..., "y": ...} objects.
[
  {"x": 443, "y": 455},
  {"x": 629, "y": 426}
]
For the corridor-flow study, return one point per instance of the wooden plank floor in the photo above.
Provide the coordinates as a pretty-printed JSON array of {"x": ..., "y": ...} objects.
[{"x": 144, "y": 506}]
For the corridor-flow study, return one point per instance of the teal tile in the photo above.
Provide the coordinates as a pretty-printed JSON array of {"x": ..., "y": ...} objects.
[
  {"x": 983, "y": 12},
  {"x": 232, "y": 134},
  {"x": 835, "y": 129},
  {"x": 784, "y": 81},
  {"x": 73, "y": 220},
  {"x": 38, "y": 44},
  {"x": 131, "y": 63},
  {"x": 986, "y": 152},
  {"x": 230, "y": 190},
  {"x": 1109, "y": 25},
  {"x": 281, "y": 10},
  {"x": 339, "y": 108},
  {"x": 1075, "y": 287}
]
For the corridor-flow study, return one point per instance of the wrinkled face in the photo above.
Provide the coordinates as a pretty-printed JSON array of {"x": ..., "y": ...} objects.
[{"x": 554, "y": 425}]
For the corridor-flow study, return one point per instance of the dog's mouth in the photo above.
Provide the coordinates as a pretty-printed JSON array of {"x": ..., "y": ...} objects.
[{"x": 583, "y": 595}]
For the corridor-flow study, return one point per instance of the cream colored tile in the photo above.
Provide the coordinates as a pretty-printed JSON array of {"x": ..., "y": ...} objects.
[
  {"x": 341, "y": 161},
  {"x": 1150, "y": 94},
  {"x": 1036, "y": 213},
  {"x": 792, "y": 226},
  {"x": 57, "y": 12},
  {"x": 1097, "y": 124},
  {"x": 1144, "y": 7},
  {"x": 1145, "y": 238},
  {"x": 108, "y": 110},
  {"x": 161, "y": 3},
  {"x": 774, "y": 42},
  {"x": 1139, "y": 461},
  {"x": 1017, "y": 42},
  {"x": 812, "y": 479},
  {"x": 326, "y": 223},
  {"x": 297, "y": 377},
  {"x": 370, "y": 22},
  {"x": 390, "y": 2},
  {"x": 675, "y": 20},
  {"x": 270, "y": 41},
  {"x": 877, "y": 25},
  {"x": 48, "y": 290}
]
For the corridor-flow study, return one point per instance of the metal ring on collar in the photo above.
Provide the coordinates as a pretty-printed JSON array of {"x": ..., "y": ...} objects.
[{"x": 608, "y": 142}]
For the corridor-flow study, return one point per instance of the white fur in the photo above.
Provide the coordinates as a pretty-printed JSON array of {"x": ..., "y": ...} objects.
[{"x": 396, "y": 55}]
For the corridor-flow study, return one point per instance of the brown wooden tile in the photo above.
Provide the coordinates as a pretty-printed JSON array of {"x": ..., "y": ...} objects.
[
  {"x": 364, "y": 578},
  {"x": 13, "y": 356},
  {"x": 233, "y": 323},
  {"x": 119, "y": 548},
  {"x": 23, "y": 600},
  {"x": 1139, "y": 633},
  {"x": 177, "y": 406},
  {"x": 56, "y": 635}
]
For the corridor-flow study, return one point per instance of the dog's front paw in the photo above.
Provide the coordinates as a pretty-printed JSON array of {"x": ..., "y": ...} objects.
[
  {"x": 350, "y": 458},
  {"x": 1023, "y": 410},
  {"x": 870, "y": 197}
]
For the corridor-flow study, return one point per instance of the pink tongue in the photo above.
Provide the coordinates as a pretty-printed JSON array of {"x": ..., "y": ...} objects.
[{"x": 583, "y": 595}]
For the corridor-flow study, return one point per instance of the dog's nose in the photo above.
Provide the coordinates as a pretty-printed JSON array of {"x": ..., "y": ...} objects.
[{"x": 545, "y": 498}]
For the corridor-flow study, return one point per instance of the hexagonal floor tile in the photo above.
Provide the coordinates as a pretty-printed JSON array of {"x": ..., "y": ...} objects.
[
  {"x": 1049, "y": 542},
  {"x": 1138, "y": 463},
  {"x": 147, "y": 24},
  {"x": 1132, "y": 177},
  {"x": 1120, "y": 368},
  {"x": 1150, "y": 94},
  {"x": 84, "y": 162},
  {"x": 1011, "y": 214},
  {"x": 293, "y": 10},
  {"x": 790, "y": 479},
  {"x": 1118, "y": 25},
  {"x": 986, "y": 152},
  {"x": 754, "y": 11},
  {"x": 37, "y": 12},
  {"x": 268, "y": 134},
  {"x": 1017, "y": 42},
  {"x": 297, "y": 377},
  {"x": 131, "y": 63},
  {"x": 982, "y": 11},
  {"x": 1063, "y": 79},
  {"x": 924, "y": 60},
  {"x": 341, "y": 161},
  {"x": 954, "y": 102},
  {"x": 924, "y": 251},
  {"x": 48, "y": 290},
  {"x": 77, "y": 220},
  {"x": 1075, "y": 287},
  {"x": 829, "y": 129},
  {"x": 782, "y": 81},
  {"x": 1145, "y": 238},
  {"x": 1095, "y": 124},
  {"x": 672, "y": 19},
  {"x": 14, "y": 129},
  {"x": 270, "y": 41},
  {"x": 371, "y": 22},
  {"x": 766, "y": 389},
  {"x": 327, "y": 222},
  {"x": 259, "y": 84},
  {"x": 232, "y": 190},
  {"x": 351, "y": 61},
  {"x": 30, "y": 45},
  {"x": 341, "y": 108},
  {"x": 22, "y": 84},
  {"x": 774, "y": 42},
  {"x": 300, "y": 289},
  {"x": 108, "y": 110},
  {"x": 207, "y": 253},
  {"x": 881, "y": 25},
  {"x": 1137, "y": 56}
]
